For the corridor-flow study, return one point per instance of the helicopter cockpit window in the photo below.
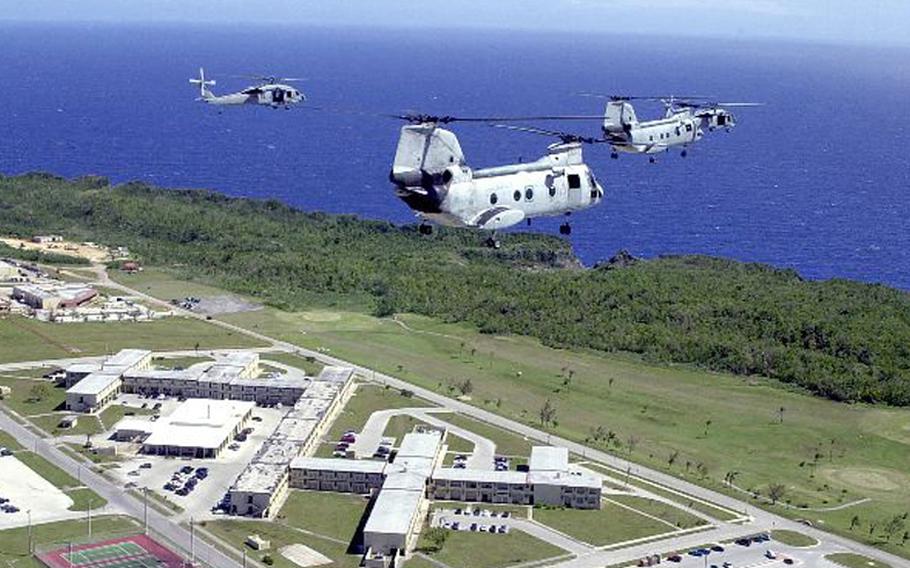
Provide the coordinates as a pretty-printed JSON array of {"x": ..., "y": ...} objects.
[
  {"x": 574, "y": 181},
  {"x": 493, "y": 199}
]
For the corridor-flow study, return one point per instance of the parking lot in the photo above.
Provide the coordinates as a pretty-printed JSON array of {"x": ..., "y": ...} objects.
[
  {"x": 156, "y": 472},
  {"x": 472, "y": 520},
  {"x": 21, "y": 490}
]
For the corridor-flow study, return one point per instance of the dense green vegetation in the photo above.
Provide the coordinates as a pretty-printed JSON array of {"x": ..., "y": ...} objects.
[
  {"x": 838, "y": 339},
  {"x": 38, "y": 256}
]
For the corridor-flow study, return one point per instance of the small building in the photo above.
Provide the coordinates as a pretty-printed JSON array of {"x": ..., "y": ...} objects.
[
  {"x": 69, "y": 421},
  {"x": 44, "y": 239},
  {"x": 130, "y": 266},
  {"x": 52, "y": 297},
  {"x": 8, "y": 271},
  {"x": 93, "y": 393},
  {"x": 5, "y": 391}
]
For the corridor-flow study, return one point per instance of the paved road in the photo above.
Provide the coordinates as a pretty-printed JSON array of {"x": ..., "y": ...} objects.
[
  {"x": 762, "y": 518},
  {"x": 117, "y": 499}
]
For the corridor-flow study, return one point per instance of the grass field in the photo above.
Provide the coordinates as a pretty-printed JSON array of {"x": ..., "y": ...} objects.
[
  {"x": 31, "y": 394},
  {"x": 849, "y": 560},
  {"x": 8, "y": 441},
  {"x": 608, "y": 525},
  {"x": 507, "y": 443},
  {"x": 310, "y": 367},
  {"x": 793, "y": 538},
  {"x": 824, "y": 453},
  {"x": 672, "y": 515},
  {"x": 23, "y": 339},
  {"x": 14, "y": 542},
  {"x": 366, "y": 400},
  {"x": 482, "y": 550},
  {"x": 334, "y": 515}
]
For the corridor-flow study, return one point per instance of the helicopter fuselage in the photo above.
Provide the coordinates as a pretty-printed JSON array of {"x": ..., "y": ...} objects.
[{"x": 653, "y": 136}]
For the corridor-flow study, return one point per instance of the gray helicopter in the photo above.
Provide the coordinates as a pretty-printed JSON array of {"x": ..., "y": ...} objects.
[
  {"x": 433, "y": 178},
  {"x": 683, "y": 124},
  {"x": 270, "y": 91}
]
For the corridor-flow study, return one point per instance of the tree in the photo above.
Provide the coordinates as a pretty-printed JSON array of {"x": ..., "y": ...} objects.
[
  {"x": 854, "y": 522},
  {"x": 437, "y": 537},
  {"x": 39, "y": 392},
  {"x": 894, "y": 527},
  {"x": 466, "y": 387},
  {"x": 671, "y": 459},
  {"x": 776, "y": 492},
  {"x": 547, "y": 413},
  {"x": 632, "y": 442},
  {"x": 780, "y": 415},
  {"x": 707, "y": 426}
]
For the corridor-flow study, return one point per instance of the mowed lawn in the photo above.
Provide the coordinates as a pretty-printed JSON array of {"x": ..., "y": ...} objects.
[
  {"x": 335, "y": 515},
  {"x": 14, "y": 542},
  {"x": 610, "y": 524},
  {"x": 23, "y": 339},
  {"x": 824, "y": 453},
  {"x": 464, "y": 549}
]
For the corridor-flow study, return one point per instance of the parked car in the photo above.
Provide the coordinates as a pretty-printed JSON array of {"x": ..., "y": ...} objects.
[
  {"x": 717, "y": 548},
  {"x": 186, "y": 470},
  {"x": 674, "y": 558},
  {"x": 257, "y": 419},
  {"x": 183, "y": 492},
  {"x": 146, "y": 465},
  {"x": 202, "y": 473}
]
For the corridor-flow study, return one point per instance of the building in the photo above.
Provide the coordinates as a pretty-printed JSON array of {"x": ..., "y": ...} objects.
[
  {"x": 52, "y": 297},
  {"x": 43, "y": 239},
  {"x": 198, "y": 428},
  {"x": 483, "y": 486},
  {"x": 92, "y": 386},
  {"x": 262, "y": 487},
  {"x": 397, "y": 509},
  {"x": 8, "y": 271}
]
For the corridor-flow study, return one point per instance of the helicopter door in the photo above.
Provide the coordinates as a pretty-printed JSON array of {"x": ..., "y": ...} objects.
[{"x": 575, "y": 193}]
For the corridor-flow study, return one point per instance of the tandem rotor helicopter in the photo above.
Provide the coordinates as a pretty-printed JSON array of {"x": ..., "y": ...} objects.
[
  {"x": 269, "y": 91},
  {"x": 432, "y": 177},
  {"x": 682, "y": 124}
]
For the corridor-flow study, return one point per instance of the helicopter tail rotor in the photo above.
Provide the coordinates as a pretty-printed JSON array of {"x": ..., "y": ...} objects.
[{"x": 204, "y": 92}]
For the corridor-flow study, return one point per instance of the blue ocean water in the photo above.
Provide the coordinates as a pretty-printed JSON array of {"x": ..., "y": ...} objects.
[{"x": 816, "y": 180}]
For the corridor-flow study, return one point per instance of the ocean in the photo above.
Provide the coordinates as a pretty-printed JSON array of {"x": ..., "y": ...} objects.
[{"x": 816, "y": 180}]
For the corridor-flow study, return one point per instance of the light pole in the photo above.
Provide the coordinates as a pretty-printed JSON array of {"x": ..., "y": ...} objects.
[
  {"x": 145, "y": 508},
  {"x": 29, "y": 512},
  {"x": 89, "y": 514},
  {"x": 192, "y": 543}
]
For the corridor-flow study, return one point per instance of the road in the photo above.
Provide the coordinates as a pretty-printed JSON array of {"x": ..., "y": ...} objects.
[
  {"x": 761, "y": 517},
  {"x": 117, "y": 499}
]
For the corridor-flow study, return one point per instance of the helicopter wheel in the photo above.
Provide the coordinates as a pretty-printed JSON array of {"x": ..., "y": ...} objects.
[
  {"x": 614, "y": 155},
  {"x": 425, "y": 229},
  {"x": 684, "y": 153},
  {"x": 565, "y": 229},
  {"x": 492, "y": 242},
  {"x": 652, "y": 159}
]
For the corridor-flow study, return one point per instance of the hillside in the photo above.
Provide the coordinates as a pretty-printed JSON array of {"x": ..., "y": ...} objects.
[{"x": 838, "y": 339}]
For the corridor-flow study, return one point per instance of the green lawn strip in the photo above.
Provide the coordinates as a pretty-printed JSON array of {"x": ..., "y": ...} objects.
[
  {"x": 459, "y": 445},
  {"x": 334, "y": 515},
  {"x": 366, "y": 400},
  {"x": 309, "y": 365},
  {"x": 400, "y": 425},
  {"x": 850, "y": 560},
  {"x": 599, "y": 527},
  {"x": 79, "y": 450},
  {"x": 84, "y": 498},
  {"x": 793, "y": 538},
  {"x": 23, "y": 339},
  {"x": 235, "y": 532},
  {"x": 673, "y": 515},
  {"x": 507, "y": 443},
  {"x": 682, "y": 499},
  {"x": 14, "y": 542},
  {"x": 464, "y": 549}
]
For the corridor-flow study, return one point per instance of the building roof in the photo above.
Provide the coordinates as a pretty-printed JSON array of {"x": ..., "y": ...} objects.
[
  {"x": 337, "y": 464},
  {"x": 549, "y": 458},
  {"x": 565, "y": 479},
  {"x": 481, "y": 475},
  {"x": 420, "y": 444},
  {"x": 335, "y": 374},
  {"x": 93, "y": 384},
  {"x": 199, "y": 423},
  {"x": 393, "y": 511},
  {"x": 127, "y": 357},
  {"x": 260, "y": 478},
  {"x": 81, "y": 368}
]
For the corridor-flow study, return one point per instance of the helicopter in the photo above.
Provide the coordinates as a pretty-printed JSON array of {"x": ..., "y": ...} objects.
[
  {"x": 683, "y": 124},
  {"x": 269, "y": 91},
  {"x": 432, "y": 177}
]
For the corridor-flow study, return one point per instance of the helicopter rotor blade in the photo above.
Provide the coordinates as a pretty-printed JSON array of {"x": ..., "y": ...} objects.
[{"x": 564, "y": 136}]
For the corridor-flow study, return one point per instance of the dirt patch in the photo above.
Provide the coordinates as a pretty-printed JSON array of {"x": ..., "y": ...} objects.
[
  {"x": 874, "y": 479},
  {"x": 94, "y": 253},
  {"x": 304, "y": 556},
  {"x": 214, "y": 305}
]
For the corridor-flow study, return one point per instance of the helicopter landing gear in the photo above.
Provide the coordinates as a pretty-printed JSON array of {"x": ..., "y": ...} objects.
[
  {"x": 684, "y": 153},
  {"x": 492, "y": 242},
  {"x": 528, "y": 221},
  {"x": 565, "y": 229},
  {"x": 614, "y": 155},
  {"x": 425, "y": 229},
  {"x": 652, "y": 160}
]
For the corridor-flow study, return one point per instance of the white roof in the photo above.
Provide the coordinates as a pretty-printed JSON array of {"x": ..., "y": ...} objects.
[
  {"x": 260, "y": 478},
  {"x": 93, "y": 384},
  {"x": 393, "y": 511},
  {"x": 481, "y": 476},
  {"x": 127, "y": 357},
  {"x": 404, "y": 481},
  {"x": 83, "y": 368},
  {"x": 549, "y": 458},
  {"x": 199, "y": 423},
  {"x": 335, "y": 464},
  {"x": 420, "y": 444},
  {"x": 564, "y": 479},
  {"x": 335, "y": 374}
]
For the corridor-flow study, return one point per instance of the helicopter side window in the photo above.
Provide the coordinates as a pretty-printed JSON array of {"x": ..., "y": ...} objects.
[
  {"x": 517, "y": 195},
  {"x": 574, "y": 181},
  {"x": 529, "y": 193},
  {"x": 677, "y": 131},
  {"x": 493, "y": 199},
  {"x": 650, "y": 139},
  {"x": 550, "y": 185},
  {"x": 688, "y": 128}
]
